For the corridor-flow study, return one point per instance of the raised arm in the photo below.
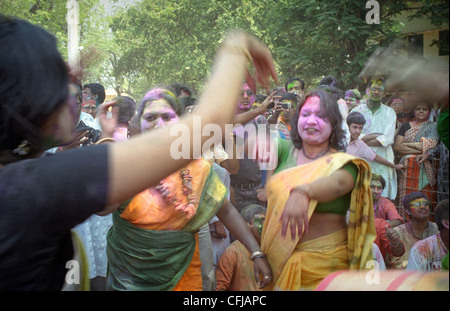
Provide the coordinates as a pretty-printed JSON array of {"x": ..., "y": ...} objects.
[
  {"x": 144, "y": 160},
  {"x": 245, "y": 117}
]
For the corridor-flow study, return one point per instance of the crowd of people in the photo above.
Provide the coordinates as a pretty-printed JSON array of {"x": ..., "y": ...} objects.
[{"x": 355, "y": 178}]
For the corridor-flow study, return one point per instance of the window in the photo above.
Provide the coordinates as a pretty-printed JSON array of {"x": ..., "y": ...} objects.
[
  {"x": 443, "y": 42},
  {"x": 415, "y": 45}
]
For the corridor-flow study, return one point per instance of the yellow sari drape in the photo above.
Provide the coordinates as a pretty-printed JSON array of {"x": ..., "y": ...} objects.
[{"x": 351, "y": 249}]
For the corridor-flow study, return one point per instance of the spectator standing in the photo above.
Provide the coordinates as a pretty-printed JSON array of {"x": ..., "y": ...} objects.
[
  {"x": 378, "y": 133},
  {"x": 416, "y": 141}
]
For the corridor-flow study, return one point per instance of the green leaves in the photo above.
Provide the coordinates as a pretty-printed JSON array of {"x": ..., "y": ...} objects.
[{"x": 149, "y": 42}]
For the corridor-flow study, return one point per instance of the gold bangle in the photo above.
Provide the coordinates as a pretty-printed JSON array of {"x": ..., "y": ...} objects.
[
  {"x": 105, "y": 139},
  {"x": 257, "y": 254}
]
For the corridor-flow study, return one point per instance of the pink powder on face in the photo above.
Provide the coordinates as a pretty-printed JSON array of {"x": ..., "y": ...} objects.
[
  {"x": 246, "y": 101},
  {"x": 158, "y": 114},
  {"x": 313, "y": 127}
]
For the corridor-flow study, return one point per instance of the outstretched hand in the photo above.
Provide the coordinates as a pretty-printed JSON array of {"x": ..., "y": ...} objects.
[{"x": 258, "y": 53}]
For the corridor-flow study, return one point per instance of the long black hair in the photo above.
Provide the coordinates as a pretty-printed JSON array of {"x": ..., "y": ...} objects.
[
  {"x": 33, "y": 84},
  {"x": 330, "y": 109}
]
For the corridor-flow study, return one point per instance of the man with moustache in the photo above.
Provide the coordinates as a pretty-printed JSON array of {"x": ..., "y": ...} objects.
[{"x": 379, "y": 132}]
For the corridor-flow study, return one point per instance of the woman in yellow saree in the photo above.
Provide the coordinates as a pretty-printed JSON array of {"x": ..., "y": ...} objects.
[
  {"x": 311, "y": 193},
  {"x": 153, "y": 243}
]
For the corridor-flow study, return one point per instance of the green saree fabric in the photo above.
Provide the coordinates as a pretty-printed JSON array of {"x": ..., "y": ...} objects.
[{"x": 155, "y": 260}]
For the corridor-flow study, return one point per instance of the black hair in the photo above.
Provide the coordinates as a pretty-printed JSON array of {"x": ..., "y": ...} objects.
[
  {"x": 356, "y": 117},
  {"x": 280, "y": 90},
  {"x": 33, "y": 84},
  {"x": 127, "y": 108},
  {"x": 441, "y": 213},
  {"x": 334, "y": 91},
  {"x": 413, "y": 196},
  {"x": 329, "y": 80},
  {"x": 330, "y": 109},
  {"x": 97, "y": 89},
  {"x": 292, "y": 80},
  {"x": 186, "y": 102},
  {"x": 259, "y": 98},
  {"x": 251, "y": 210},
  {"x": 380, "y": 179},
  {"x": 289, "y": 96},
  {"x": 179, "y": 87}
]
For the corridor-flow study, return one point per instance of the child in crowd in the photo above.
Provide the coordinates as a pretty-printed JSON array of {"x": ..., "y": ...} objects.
[{"x": 359, "y": 148}]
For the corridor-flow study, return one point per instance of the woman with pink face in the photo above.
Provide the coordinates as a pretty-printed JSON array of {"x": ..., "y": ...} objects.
[
  {"x": 309, "y": 196},
  {"x": 157, "y": 229},
  {"x": 415, "y": 142}
]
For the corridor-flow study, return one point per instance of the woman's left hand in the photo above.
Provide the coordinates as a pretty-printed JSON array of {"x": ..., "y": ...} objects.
[
  {"x": 422, "y": 157},
  {"x": 295, "y": 214},
  {"x": 263, "y": 274}
]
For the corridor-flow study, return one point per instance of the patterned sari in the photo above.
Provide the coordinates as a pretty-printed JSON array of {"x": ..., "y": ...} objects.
[
  {"x": 152, "y": 245},
  {"x": 297, "y": 266},
  {"x": 419, "y": 177}
]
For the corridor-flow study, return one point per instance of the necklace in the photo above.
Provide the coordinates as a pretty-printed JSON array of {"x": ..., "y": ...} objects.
[{"x": 317, "y": 156}]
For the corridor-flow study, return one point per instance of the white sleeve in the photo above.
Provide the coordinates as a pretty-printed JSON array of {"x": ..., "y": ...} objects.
[{"x": 415, "y": 261}]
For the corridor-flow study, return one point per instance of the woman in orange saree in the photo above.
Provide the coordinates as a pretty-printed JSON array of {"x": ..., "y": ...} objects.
[{"x": 153, "y": 243}]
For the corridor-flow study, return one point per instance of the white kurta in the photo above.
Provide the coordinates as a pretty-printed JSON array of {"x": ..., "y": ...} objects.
[
  {"x": 382, "y": 122},
  {"x": 427, "y": 254}
]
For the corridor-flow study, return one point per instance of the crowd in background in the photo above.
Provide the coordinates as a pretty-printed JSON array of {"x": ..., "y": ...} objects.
[{"x": 359, "y": 171}]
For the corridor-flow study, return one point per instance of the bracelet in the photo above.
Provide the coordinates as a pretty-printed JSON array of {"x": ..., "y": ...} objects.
[
  {"x": 104, "y": 139},
  {"x": 257, "y": 254}
]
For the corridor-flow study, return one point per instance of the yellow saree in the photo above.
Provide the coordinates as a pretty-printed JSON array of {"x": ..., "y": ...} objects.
[{"x": 297, "y": 265}]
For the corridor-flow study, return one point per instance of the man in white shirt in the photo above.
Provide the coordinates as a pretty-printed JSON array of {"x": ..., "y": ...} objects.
[{"x": 379, "y": 132}]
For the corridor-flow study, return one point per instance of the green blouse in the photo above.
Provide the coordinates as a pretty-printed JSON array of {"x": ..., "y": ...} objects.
[{"x": 287, "y": 159}]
